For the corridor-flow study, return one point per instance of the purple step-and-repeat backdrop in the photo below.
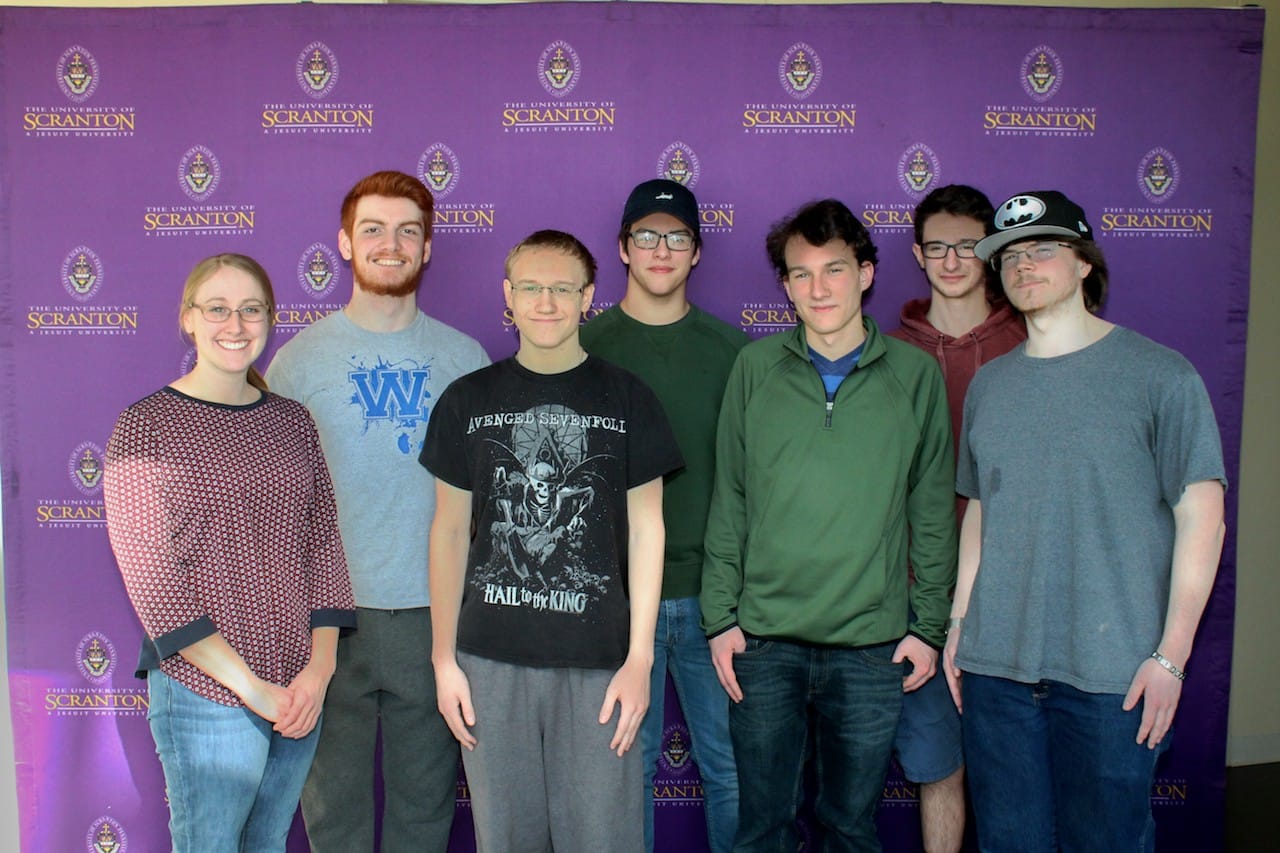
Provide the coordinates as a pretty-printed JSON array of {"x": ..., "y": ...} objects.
[{"x": 138, "y": 141}]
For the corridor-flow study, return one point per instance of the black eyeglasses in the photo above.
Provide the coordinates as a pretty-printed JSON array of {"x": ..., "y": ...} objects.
[
  {"x": 677, "y": 241},
  {"x": 936, "y": 249}
]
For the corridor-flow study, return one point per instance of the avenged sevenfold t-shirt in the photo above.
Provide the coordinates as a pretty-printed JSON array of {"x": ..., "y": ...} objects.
[{"x": 548, "y": 460}]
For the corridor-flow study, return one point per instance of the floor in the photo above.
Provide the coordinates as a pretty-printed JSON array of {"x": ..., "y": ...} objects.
[{"x": 1251, "y": 795}]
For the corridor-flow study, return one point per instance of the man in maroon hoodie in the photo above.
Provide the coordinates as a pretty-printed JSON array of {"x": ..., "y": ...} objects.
[{"x": 964, "y": 323}]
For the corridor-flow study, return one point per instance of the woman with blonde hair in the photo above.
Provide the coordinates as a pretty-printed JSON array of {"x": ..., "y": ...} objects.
[{"x": 222, "y": 518}]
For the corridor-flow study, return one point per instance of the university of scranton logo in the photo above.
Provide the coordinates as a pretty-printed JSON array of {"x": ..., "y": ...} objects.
[
  {"x": 675, "y": 755},
  {"x": 81, "y": 277},
  {"x": 1157, "y": 178},
  {"x": 318, "y": 274},
  {"x": 106, "y": 835},
  {"x": 199, "y": 173},
  {"x": 1041, "y": 73},
  {"x": 96, "y": 657},
  {"x": 559, "y": 69},
  {"x": 799, "y": 74},
  {"x": 82, "y": 273},
  {"x": 919, "y": 170},
  {"x": 1158, "y": 175},
  {"x": 317, "y": 70},
  {"x": 800, "y": 70},
  {"x": 84, "y": 467},
  {"x": 78, "y": 74},
  {"x": 441, "y": 170},
  {"x": 678, "y": 163},
  {"x": 438, "y": 168},
  {"x": 318, "y": 270}
]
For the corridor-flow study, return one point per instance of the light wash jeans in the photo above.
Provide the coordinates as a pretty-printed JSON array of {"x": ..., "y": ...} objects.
[
  {"x": 233, "y": 783},
  {"x": 681, "y": 648}
]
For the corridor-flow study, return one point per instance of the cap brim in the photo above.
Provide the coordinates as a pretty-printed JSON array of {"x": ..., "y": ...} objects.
[{"x": 988, "y": 246}]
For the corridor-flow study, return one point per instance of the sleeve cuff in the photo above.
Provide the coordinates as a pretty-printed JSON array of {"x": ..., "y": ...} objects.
[{"x": 334, "y": 617}]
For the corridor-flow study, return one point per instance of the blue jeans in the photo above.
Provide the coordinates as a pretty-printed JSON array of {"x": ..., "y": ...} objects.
[
  {"x": 851, "y": 698},
  {"x": 1054, "y": 768},
  {"x": 681, "y": 647},
  {"x": 233, "y": 784}
]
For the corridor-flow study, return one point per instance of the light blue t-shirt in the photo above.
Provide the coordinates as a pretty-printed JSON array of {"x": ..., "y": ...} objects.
[{"x": 371, "y": 394}]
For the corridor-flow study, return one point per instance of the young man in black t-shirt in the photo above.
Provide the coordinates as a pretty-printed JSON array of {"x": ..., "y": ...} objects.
[{"x": 544, "y": 622}]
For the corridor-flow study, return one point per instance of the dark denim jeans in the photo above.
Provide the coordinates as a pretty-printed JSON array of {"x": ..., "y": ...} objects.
[
  {"x": 1054, "y": 768},
  {"x": 851, "y": 698}
]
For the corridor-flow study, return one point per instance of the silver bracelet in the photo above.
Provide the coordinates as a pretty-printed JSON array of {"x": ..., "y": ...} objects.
[
  {"x": 1168, "y": 664},
  {"x": 954, "y": 622}
]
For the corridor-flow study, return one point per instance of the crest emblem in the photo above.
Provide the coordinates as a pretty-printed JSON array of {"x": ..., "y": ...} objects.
[
  {"x": 918, "y": 170},
  {"x": 106, "y": 836},
  {"x": 559, "y": 68},
  {"x": 1041, "y": 73},
  {"x": 679, "y": 163},
  {"x": 317, "y": 70},
  {"x": 96, "y": 656},
  {"x": 77, "y": 74},
  {"x": 81, "y": 273},
  {"x": 1019, "y": 210},
  {"x": 438, "y": 168},
  {"x": 800, "y": 70},
  {"x": 1158, "y": 174},
  {"x": 198, "y": 173},
  {"x": 317, "y": 270},
  {"x": 676, "y": 751},
  {"x": 85, "y": 468}
]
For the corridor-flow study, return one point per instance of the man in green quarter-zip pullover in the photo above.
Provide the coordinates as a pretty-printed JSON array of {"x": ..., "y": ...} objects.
[{"x": 834, "y": 469}]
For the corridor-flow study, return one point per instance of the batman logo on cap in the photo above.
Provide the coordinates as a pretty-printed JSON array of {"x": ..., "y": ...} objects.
[{"x": 1019, "y": 210}]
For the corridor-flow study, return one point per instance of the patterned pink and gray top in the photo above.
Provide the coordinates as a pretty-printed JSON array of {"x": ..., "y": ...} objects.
[{"x": 223, "y": 520}]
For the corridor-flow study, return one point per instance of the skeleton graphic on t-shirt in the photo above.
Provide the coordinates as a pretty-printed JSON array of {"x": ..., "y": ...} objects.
[{"x": 541, "y": 500}]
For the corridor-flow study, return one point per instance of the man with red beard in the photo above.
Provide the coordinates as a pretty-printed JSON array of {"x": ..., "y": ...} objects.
[{"x": 370, "y": 375}]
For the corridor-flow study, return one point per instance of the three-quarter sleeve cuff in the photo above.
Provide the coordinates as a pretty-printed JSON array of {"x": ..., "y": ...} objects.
[
  {"x": 167, "y": 645},
  {"x": 334, "y": 617}
]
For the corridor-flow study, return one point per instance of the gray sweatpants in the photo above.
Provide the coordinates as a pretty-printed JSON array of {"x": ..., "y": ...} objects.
[
  {"x": 384, "y": 676},
  {"x": 542, "y": 776}
]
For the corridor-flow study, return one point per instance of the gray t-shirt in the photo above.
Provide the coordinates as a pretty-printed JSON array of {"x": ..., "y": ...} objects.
[
  {"x": 371, "y": 394},
  {"x": 1078, "y": 461}
]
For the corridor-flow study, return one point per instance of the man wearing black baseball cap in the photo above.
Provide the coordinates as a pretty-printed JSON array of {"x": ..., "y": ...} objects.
[
  {"x": 1094, "y": 470},
  {"x": 684, "y": 354}
]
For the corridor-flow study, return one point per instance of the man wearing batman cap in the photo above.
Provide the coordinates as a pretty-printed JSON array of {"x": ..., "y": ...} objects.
[{"x": 1094, "y": 470}]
